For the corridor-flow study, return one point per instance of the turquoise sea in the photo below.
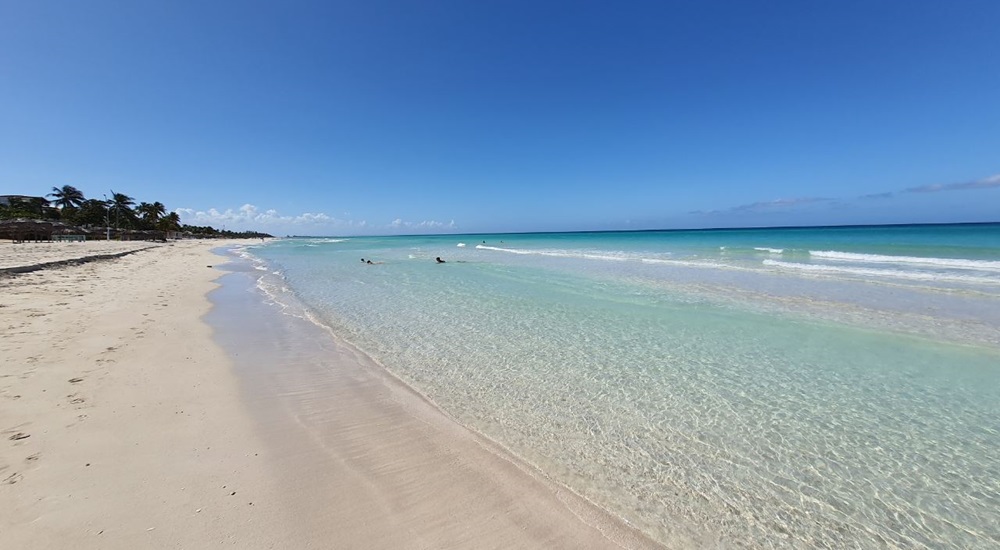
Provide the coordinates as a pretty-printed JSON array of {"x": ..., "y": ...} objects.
[{"x": 751, "y": 388}]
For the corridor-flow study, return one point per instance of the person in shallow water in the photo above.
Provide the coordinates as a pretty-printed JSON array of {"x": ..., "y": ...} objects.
[{"x": 439, "y": 260}]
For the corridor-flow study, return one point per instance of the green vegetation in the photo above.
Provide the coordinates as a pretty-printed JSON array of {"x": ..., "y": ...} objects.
[
  {"x": 66, "y": 197},
  {"x": 118, "y": 215},
  {"x": 36, "y": 208}
]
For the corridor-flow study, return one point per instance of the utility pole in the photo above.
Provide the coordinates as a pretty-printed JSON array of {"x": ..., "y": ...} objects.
[{"x": 107, "y": 219}]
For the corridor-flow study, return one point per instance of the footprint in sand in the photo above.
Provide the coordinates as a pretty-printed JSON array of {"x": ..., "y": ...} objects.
[
  {"x": 18, "y": 436},
  {"x": 75, "y": 380},
  {"x": 13, "y": 478}
]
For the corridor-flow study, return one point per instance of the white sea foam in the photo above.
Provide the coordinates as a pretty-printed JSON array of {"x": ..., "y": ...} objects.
[
  {"x": 327, "y": 240},
  {"x": 691, "y": 263},
  {"x": 557, "y": 253},
  {"x": 498, "y": 249},
  {"x": 613, "y": 257},
  {"x": 881, "y": 273},
  {"x": 460, "y": 245},
  {"x": 254, "y": 261},
  {"x": 950, "y": 263},
  {"x": 739, "y": 249},
  {"x": 242, "y": 252}
]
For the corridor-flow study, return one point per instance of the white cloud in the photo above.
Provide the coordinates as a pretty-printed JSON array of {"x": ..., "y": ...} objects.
[
  {"x": 399, "y": 223},
  {"x": 766, "y": 206},
  {"x": 885, "y": 195},
  {"x": 251, "y": 218},
  {"x": 985, "y": 183},
  {"x": 792, "y": 203}
]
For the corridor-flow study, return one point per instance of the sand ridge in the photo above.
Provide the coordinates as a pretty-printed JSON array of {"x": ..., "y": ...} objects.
[{"x": 16, "y": 257}]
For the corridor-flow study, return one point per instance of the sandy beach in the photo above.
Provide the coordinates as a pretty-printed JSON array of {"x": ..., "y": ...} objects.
[
  {"x": 122, "y": 423},
  {"x": 125, "y": 424},
  {"x": 34, "y": 256}
]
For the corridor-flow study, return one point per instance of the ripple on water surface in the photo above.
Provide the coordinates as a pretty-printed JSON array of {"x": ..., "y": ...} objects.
[{"x": 695, "y": 420}]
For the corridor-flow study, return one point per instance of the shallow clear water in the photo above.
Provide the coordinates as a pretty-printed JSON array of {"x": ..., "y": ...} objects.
[{"x": 750, "y": 388}]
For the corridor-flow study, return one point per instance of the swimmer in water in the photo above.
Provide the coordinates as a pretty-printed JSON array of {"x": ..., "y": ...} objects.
[{"x": 439, "y": 260}]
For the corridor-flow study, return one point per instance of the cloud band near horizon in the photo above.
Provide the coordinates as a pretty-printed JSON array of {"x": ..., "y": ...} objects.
[{"x": 251, "y": 218}]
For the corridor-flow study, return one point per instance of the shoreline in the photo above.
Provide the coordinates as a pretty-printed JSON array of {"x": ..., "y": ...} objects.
[
  {"x": 123, "y": 426},
  {"x": 413, "y": 471},
  {"x": 126, "y": 424},
  {"x": 704, "y": 423}
]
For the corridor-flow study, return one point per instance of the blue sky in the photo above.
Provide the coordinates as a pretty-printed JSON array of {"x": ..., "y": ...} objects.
[{"x": 381, "y": 117}]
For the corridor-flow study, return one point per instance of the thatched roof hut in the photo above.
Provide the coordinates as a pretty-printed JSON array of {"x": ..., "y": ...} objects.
[
  {"x": 63, "y": 228},
  {"x": 23, "y": 229},
  {"x": 146, "y": 235}
]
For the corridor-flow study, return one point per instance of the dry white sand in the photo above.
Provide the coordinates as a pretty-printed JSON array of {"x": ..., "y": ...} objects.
[
  {"x": 123, "y": 425},
  {"x": 29, "y": 254}
]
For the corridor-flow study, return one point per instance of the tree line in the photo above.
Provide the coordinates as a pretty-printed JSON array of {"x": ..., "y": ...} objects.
[{"x": 68, "y": 204}]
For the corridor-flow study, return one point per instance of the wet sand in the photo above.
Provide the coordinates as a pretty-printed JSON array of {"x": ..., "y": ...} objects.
[{"x": 124, "y": 423}]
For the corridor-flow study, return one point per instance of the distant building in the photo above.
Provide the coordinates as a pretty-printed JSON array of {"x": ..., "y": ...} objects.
[{"x": 7, "y": 200}]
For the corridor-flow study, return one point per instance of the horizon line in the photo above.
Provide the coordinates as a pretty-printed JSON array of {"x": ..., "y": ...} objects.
[{"x": 751, "y": 228}]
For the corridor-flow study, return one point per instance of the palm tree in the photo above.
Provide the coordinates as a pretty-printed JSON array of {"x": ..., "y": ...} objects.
[
  {"x": 92, "y": 212},
  {"x": 66, "y": 196},
  {"x": 121, "y": 205},
  {"x": 151, "y": 213},
  {"x": 175, "y": 220},
  {"x": 170, "y": 222}
]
